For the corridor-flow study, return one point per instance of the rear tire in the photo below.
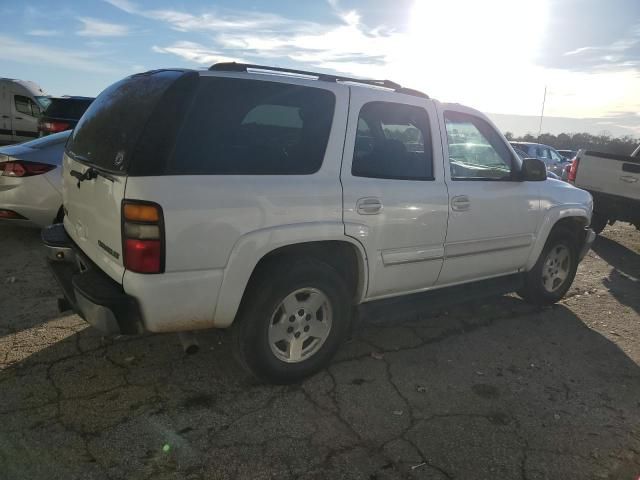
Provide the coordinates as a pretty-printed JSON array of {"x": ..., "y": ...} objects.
[
  {"x": 552, "y": 275},
  {"x": 294, "y": 317}
]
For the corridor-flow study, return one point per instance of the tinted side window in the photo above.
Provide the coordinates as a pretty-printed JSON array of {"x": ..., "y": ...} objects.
[
  {"x": 476, "y": 150},
  {"x": 249, "y": 127},
  {"x": 393, "y": 141}
]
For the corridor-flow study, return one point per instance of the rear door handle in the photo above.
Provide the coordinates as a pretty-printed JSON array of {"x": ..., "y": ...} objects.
[
  {"x": 18, "y": 118},
  {"x": 460, "y": 203},
  {"x": 629, "y": 178},
  {"x": 368, "y": 206}
]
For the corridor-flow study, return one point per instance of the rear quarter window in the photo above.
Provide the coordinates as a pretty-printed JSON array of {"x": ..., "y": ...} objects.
[{"x": 251, "y": 127}]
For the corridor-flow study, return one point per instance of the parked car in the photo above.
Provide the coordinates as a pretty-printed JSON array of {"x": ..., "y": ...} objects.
[
  {"x": 553, "y": 160},
  {"x": 277, "y": 200},
  {"x": 21, "y": 103},
  {"x": 614, "y": 183},
  {"x": 31, "y": 181},
  {"x": 524, "y": 155},
  {"x": 62, "y": 114}
]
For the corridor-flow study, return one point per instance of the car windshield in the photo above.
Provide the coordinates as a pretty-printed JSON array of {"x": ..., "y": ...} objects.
[{"x": 44, "y": 102}]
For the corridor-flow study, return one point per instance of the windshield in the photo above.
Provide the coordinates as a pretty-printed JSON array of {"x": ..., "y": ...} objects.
[{"x": 44, "y": 102}]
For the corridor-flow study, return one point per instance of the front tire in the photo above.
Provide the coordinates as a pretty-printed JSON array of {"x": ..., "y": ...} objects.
[
  {"x": 552, "y": 275},
  {"x": 292, "y": 321}
]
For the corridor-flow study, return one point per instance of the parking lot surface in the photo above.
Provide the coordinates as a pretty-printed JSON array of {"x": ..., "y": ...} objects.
[{"x": 496, "y": 389}]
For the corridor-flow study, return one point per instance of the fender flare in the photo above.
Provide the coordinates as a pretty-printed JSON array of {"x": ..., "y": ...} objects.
[
  {"x": 253, "y": 246},
  {"x": 551, "y": 217}
]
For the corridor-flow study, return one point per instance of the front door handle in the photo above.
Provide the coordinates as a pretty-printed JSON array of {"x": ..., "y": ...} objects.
[
  {"x": 460, "y": 203},
  {"x": 369, "y": 206},
  {"x": 629, "y": 178}
]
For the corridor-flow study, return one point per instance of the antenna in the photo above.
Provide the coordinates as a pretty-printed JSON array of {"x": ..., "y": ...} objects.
[{"x": 544, "y": 99}]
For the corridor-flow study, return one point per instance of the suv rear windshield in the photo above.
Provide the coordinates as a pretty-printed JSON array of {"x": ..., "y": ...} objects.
[
  {"x": 251, "y": 127},
  {"x": 107, "y": 133},
  {"x": 71, "y": 108}
]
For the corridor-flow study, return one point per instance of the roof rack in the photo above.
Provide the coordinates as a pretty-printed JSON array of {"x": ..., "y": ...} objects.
[{"x": 324, "y": 77}]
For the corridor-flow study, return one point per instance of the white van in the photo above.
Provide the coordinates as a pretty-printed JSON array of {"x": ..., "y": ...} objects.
[{"x": 21, "y": 103}]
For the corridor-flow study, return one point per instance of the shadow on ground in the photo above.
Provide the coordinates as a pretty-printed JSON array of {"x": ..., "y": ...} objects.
[
  {"x": 624, "y": 280},
  {"x": 498, "y": 390}
]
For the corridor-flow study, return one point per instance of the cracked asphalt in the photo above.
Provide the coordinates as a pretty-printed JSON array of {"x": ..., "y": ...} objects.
[{"x": 496, "y": 389}]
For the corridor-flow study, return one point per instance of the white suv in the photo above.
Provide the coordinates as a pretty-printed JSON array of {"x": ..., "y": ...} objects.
[{"x": 276, "y": 200}]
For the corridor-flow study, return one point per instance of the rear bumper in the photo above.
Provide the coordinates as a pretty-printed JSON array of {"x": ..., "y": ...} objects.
[
  {"x": 589, "y": 238},
  {"x": 92, "y": 294}
]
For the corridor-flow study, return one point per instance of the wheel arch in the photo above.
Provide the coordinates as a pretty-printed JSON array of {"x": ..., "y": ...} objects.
[
  {"x": 257, "y": 250},
  {"x": 574, "y": 218}
]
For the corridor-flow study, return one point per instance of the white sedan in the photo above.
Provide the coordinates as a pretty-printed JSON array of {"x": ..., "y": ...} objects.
[{"x": 30, "y": 181}]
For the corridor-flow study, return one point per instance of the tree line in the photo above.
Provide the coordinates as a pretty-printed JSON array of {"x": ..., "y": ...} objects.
[{"x": 575, "y": 141}]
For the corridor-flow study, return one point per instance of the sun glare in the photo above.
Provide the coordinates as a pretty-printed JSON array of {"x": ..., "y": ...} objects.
[{"x": 476, "y": 48}]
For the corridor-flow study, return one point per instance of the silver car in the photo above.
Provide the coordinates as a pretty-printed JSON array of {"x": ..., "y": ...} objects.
[
  {"x": 553, "y": 160},
  {"x": 30, "y": 181}
]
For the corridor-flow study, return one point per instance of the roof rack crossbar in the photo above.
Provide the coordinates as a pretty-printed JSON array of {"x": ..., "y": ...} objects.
[{"x": 245, "y": 67}]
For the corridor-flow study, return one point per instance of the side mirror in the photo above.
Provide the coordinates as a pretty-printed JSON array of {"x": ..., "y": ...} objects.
[{"x": 533, "y": 170}]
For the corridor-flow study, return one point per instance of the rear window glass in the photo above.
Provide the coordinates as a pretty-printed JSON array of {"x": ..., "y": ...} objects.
[
  {"x": 251, "y": 127},
  {"x": 107, "y": 133},
  {"x": 67, "y": 108}
]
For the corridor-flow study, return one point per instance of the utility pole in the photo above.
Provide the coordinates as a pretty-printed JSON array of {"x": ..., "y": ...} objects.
[{"x": 544, "y": 99}]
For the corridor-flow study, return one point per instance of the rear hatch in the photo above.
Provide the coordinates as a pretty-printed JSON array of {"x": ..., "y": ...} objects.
[{"x": 126, "y": 131}]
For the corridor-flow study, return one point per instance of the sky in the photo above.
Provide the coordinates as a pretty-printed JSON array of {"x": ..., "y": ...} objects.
[{"x": 495, "y": 55}]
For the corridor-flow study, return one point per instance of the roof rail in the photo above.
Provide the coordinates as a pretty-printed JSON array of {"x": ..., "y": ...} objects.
[{"x": 324, "y": 77}]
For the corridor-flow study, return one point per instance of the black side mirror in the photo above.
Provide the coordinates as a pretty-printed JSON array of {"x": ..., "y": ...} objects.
[{"x": 533, "y": 170}]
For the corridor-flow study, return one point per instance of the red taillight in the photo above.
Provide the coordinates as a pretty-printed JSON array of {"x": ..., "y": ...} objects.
[
  {"x": 143, "y": 236},
  {"x": 24, "y": 169},
  {"x": 143, "y": 256},
  {"x": 54, "y": 126},
  {"x": 573, "y": 171},
  {"x": 10, "y": 215}
]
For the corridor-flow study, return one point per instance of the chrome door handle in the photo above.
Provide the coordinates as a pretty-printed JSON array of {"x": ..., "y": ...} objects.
[
  {"x": 460, "y": 203},
  {"x": 368, "y": 206},
  {"x": 629, "y": 179}
]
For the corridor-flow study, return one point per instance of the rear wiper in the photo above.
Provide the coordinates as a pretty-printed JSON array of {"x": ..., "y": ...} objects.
[{"x": 89, "y": 174}]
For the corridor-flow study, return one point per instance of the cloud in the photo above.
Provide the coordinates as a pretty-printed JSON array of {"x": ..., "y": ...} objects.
[
  {"x": 44, "y": 33},
  {"x": 195, "y": 52},
  {"x": 32, "y": 53},
  {"x": 345, "y": 45},
  {"x": 210, "y": 21},
  {"x": 97, "y": 28}
]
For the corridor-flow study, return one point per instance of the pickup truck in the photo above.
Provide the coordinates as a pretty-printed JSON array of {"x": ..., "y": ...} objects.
[
  {"x": 614, "y": 183},
  {"x": 279, "y": 202}
]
